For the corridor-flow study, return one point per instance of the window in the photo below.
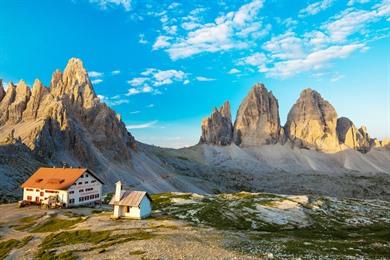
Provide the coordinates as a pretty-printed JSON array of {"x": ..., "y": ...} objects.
[
  {"x": 86, "y": 182},
  {"x": 80, "y": 183},
  {"x": 86, "y": 175},
  {"x": 29, "y": 189},
  {"x": 82, "y": 176},
  {"x": 88, "y": 189},
  {"x": 81, "y": 199},
  {"x": 71, "y": 201},
  {"x": 29, "y": 198},
  {"x": 71, "y": 192},
  {"x": 37, "y": 190},
  {"x": 93, "y": 181},
  {"x": 81, "y": 190},
  {"x": 51, "y": 191},
  {"x": 97, "y": 195},
  {"x": 41, "y": 194}
]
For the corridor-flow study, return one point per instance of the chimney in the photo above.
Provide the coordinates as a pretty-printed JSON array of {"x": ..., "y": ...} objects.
[{"x": 118, "y": 189}]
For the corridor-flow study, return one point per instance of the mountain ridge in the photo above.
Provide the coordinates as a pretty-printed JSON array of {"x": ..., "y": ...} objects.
[
  {"x": 66, "y": 123},
  {"x": 312, "y": 123}
]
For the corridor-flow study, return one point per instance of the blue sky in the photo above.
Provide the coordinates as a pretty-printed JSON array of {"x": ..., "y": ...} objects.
[{"x": 163, "y": 65}]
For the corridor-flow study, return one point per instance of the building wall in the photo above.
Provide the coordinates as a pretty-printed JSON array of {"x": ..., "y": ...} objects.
[
  {"x": 143, "y": 211},
  {"x": 84, "y": 190},
  {"x": 85, "y": 187},
  {"x": 39, "y": 195},
  {"x": 146, "y": 207}
]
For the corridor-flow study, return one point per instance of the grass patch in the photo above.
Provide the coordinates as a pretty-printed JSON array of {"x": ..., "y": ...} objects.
[
  {"x": 137, "y": 252},
  {"x": 101, "y": 240},
  {"x": 26, "y": 222},
  {"x": 55, "y": 224},
  {"x": 7, "y": 246},
  {"x": 69, "y": 238},
  {"x": 23, "y": 227}
]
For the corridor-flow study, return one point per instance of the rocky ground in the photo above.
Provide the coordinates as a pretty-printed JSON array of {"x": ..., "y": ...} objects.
[{"x": 191, "y": 226}]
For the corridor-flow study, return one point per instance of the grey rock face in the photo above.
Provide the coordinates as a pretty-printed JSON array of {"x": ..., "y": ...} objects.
[
  {"x": 2, "y": 91},
  {"x": 218, "y": 129},
  {"x": 257, "y": 120},
  {"x": 311, "y": 123}
]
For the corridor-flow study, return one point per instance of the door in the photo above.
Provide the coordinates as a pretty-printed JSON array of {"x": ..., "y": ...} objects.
[{"x": 37, "y": 199}]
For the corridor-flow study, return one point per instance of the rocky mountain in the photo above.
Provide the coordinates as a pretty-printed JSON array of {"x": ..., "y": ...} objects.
[
  {"x": 311, "y": 123},
  {"x": 66, "y": 123},
  {"x": 2, "y": 91},
  {"x": 349, "y": 135},
  {"x": 218, "y": 129},
  {"x": 257, "y": 121}
]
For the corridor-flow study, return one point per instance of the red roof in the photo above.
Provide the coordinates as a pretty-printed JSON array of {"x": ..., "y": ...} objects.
[{"x": 55, "y": 178}]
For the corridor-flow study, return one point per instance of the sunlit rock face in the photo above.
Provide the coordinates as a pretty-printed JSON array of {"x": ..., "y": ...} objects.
[
  {"x": 218, "y": 129},
  {"x": 257, "y": 120},
  {"x": 311, "y": 123},
  {"x": 65, "y": 121},
  {"x": 352, "y": 137}
]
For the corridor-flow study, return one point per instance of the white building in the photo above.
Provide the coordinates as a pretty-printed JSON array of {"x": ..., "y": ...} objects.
[
  {"x": 71, "y": 186},
  {"x": 131, "y": 204}
]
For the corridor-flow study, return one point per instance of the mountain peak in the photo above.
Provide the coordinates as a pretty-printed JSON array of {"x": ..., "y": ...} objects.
[
  {"x": 218, "y": 128},
  {"x": 257, "y": 120},
  {"x": 74, "y": 83},
  {"x": 311, "y": 122},
  {"x": 75, "y": 66}
]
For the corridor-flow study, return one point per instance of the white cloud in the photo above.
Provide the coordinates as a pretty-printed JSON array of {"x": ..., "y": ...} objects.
[
  {"x": 135, "y": 112},
  {"x": 234, "y": 71},
  {"x": 142, "y": 126},
  {"x": 165, "y": 77},
  {"x": 150, "y": 106},
  {"x": 113, "y": 101},
  {"x": 133, "y": 91},
  {"x": 255, "y": 59},
  {"x": 140, "y": 90},
  {"x": 115, "y": 72},
  {"x": 315, "y": 8},
  {"x": 137, "y": 81},
  {"x": 351, "y": 21},
  {"x": 153, "y": 78},
  {"x": 285, "y": 46},
  {"x": 95, "y": 74},
  {"x": 352, "y": 2},
  {"x": 141, "y": 39},
  {"x": 288, "y": 54},
  {"x": 161, "y": 42},
  {"x": 313, "y": 61},
  {"x": 201, "y": 78},
  {"x": 104, "y": 4},
  {"x": 229, "y": 31},
  {"x": 96, "y": 81}
]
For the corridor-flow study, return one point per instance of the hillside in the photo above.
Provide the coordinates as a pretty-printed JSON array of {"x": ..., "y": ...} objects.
[{"x": 313, "y": 153}]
